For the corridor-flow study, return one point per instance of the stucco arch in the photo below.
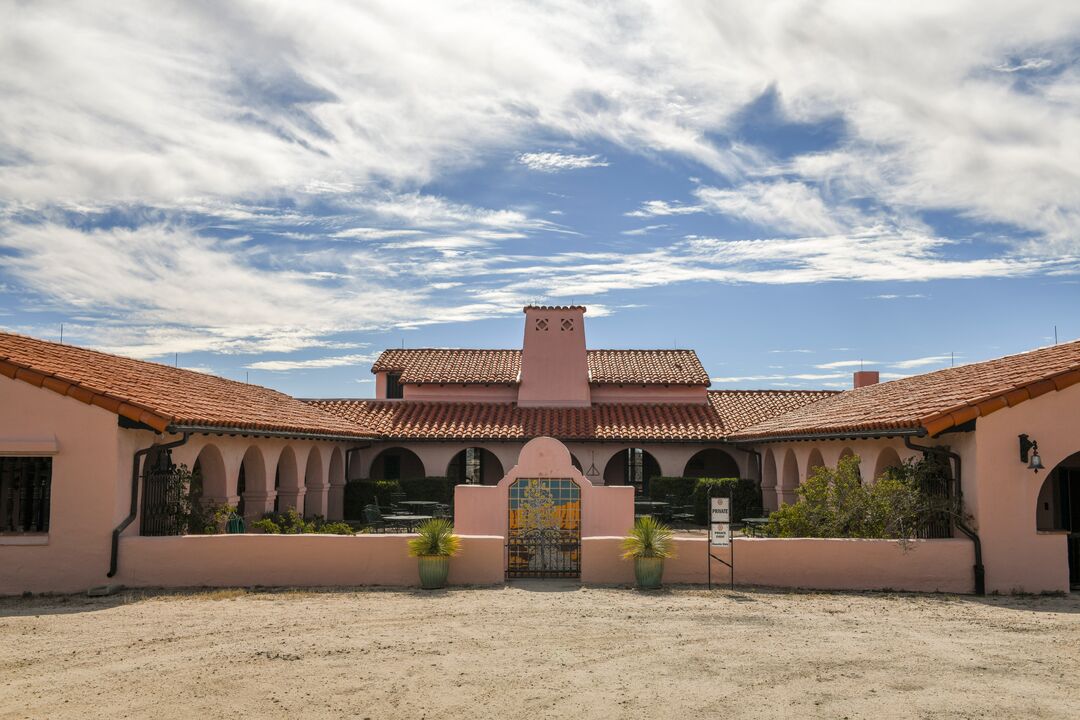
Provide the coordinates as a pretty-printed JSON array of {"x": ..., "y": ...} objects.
[
  {"x": 397, "y": 461},
  {"x": 475, "y": 460},
  {"x": 335, "y": 496},
  {"x": 711, "y": 463},
  {"x": 289, "y": 492},
  {"x": 252, "y": 485},
  {"x": 887, "y": 458},
  {"x": 814, "y": 461},
  {"x": 1055, "y": 502},
  {"x": 626, "y": 460},
  {"x": 768, "y": 480},
  {"x": 789, "y": 477},
  {"x": 210, "y": 466},
  {"x": 316, "y": 484}
]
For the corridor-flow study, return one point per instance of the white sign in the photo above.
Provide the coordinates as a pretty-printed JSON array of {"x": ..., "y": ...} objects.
[
  {"x": 720, "y": 510},
  {"x": 720, "y": 535}
]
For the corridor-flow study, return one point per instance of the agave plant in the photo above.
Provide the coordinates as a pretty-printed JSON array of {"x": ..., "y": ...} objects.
[
  {"x": 436, "y": 538},
  {"x": 649, "y": 538}
]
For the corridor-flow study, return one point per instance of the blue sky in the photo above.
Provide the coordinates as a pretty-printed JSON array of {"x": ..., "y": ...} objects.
[{"x": 277, "y": 191}]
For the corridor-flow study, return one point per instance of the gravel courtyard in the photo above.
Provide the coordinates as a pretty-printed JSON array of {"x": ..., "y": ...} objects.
[{"x": 538, "y": 650}]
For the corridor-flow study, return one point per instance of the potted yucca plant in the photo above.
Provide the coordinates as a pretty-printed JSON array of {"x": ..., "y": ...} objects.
[
  {"x": 435, "y": 545},
  {"x": 649, "y": 542}
]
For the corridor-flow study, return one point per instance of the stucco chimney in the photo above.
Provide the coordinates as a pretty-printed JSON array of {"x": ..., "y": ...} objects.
[
  {"x": 554, "y": 365},
  {"x": 866, "y": 377}
]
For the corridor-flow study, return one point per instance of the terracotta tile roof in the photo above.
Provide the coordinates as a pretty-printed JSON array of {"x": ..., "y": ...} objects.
[
  {"x": 623, "y": 367},
  {"x": 582, "y": 308},
  {"x": 429, "y": 365},
  {"x": 418, "y": 420},
  {"x": 648, "y": 367},
  {"x": 159, "y": 395},
  {"x": 739, "y": 409},
  {"x": 935, "y": 401}
]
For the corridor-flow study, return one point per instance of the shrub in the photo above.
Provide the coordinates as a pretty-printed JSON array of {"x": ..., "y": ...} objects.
[
  {"x": 336, "y": 528},
  {"x": 435, "y": 537},
  {"x": 290, "y": 523},
  {"x": 649, "y": 538},
  {"x": 439, "y": 489},
  {"x": 835, "y": 503},
  {"x": 675, "y": 490},
  {"x": 745, "y": 497}
]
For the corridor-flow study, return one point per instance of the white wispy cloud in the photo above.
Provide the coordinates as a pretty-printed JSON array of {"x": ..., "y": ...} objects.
[
  {"x": 312, "y": 363},
  {"x": 1025, "y": 64},
  {"x": 206, "y": 126},
  {"x": 922, "y": 361},
  {"x": 776, "y": 379},
  {"x": 644, "y": 230},
  {"x": 845, "y": 364},
  {"x": 555, "y": 161}
]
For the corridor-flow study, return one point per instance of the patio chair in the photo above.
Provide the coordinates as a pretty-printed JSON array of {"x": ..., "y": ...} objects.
[
  {"x": 395, "y": 501},
  {"x": 374, "y": 519}
]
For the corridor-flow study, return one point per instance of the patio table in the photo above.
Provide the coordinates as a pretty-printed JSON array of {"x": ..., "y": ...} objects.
[
  {"x": 751, "y": 525},
  {"x": 419, "y": 504}
]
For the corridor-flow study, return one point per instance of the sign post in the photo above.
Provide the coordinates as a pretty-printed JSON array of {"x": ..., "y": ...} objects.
[{"x": 720, "y": 532}]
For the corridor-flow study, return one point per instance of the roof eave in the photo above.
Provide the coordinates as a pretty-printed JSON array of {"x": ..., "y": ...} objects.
[
  {"x": 835, "y": 435},
  {"x": 291, "y": 434}
]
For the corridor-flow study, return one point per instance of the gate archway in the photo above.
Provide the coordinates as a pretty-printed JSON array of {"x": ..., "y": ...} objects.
[
  {"x": 544, "y": 529},
  {"x": 1058, "y": 509}
]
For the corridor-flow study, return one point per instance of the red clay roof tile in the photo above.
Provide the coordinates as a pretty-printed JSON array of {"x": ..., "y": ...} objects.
[
  {"x": 935, "y": 401},
  {"x": 606, "y": 367},
  {"x": 418, "y": 420},
  {"x": 159, "y": 395}
]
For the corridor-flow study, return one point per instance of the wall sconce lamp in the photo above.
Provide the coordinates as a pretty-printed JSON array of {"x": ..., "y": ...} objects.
[{"x": 1035, "y": 463}]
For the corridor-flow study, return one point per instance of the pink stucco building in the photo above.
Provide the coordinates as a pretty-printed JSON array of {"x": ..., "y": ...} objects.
[{"x": 76, "y": 426}]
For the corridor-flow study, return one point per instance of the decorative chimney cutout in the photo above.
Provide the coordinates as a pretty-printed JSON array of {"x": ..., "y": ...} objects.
[
  {"x": 568, "y": 324},
  {"x": 541, "y": 324}
]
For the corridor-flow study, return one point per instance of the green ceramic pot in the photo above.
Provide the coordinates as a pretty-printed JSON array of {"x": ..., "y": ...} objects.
[
  {"x": 433, "y": 571},
  {"x": 649, "y": 571}
]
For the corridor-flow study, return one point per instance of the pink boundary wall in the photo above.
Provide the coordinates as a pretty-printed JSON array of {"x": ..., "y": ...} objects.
[
  {"x": 310, "y": 560},
  {"x": 811, "y": 563}
]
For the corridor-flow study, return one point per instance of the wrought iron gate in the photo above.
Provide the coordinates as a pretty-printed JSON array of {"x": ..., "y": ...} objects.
[
  {"x": 544, "y": 538},
  {"x": 162, "y": 496}
]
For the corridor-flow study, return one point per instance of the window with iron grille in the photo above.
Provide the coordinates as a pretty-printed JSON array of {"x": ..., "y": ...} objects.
[
  {"x": 394, "y": 389},
  {"x": 25, "y": 488}
]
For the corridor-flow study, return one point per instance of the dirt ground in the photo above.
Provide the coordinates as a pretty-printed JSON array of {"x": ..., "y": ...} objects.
[{"x": 538, "y": 650}]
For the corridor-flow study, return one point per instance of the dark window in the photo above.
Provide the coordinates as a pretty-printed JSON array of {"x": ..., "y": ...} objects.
[
  {"x": 391, "y": 467},
  {"x": 393, "y": 386},
  {"x": 25, "y": 486}
]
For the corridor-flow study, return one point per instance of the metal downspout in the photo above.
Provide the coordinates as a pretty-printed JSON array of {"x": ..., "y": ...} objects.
[
  {"x": 980, "y": 569},
  {"x": 114, "y": 557}
]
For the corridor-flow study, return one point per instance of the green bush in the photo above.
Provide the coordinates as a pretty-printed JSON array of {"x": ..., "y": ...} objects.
[
  {"x": 290, "y": 523},
  {"x": 439, "y": 489},
  {"x": 834, "y": 502},
  {"x": 675, "y": 490},
  {"x": 745, "y": 497}
]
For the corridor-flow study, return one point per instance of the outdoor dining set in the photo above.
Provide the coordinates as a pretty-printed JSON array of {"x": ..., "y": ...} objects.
[{"x": 402, "y": 515}]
